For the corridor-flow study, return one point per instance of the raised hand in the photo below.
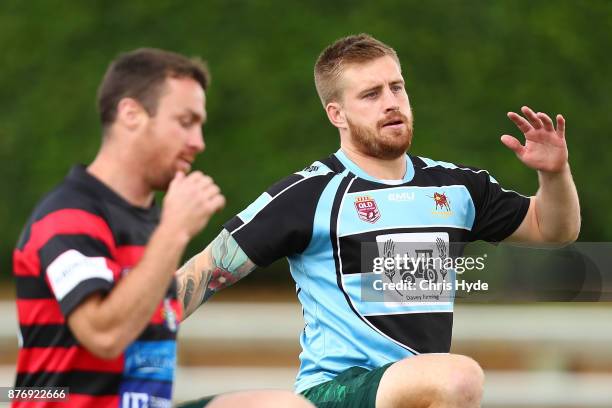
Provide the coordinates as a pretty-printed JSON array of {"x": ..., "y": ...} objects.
[
  {"x": 190, "y": 202},
  {"x": 545, "y": 148}
]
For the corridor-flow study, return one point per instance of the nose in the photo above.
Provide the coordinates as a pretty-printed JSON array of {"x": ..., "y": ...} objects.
[
  {"x": 196, "y": 140},
  {"x": 390, "y": 101}
]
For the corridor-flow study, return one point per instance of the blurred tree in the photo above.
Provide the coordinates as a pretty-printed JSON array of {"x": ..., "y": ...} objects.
[{"x": 466, "y": 63}]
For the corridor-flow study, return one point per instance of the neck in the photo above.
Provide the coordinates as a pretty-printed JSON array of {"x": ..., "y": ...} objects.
[
  {"x": 384, "y": 169},
  {"x": 114, "y": 168}
]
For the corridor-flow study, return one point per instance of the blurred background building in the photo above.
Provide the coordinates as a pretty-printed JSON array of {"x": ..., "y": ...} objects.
[{"x": 466, "y": 63}]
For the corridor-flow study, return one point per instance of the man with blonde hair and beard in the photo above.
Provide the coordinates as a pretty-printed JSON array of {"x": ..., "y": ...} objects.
[{"x": 360, "y": 353}]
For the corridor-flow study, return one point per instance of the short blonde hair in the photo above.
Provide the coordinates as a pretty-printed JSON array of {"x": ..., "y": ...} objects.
[{"x": 354, "y": 49}]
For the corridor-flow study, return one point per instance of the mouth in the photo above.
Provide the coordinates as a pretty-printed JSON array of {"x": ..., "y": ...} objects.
[
  {"x": 395, "y": 123},
  {"x": 184, "y": 165}
]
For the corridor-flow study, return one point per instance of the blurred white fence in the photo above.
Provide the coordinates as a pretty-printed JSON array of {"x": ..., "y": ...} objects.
[{"x": 551, "y": 332}]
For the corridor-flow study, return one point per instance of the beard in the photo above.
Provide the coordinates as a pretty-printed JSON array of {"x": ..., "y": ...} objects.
[
  {"x": 159, "y": 169},
  {"x": 160, "y": 180},
  {"x": 382, "y": 143}
]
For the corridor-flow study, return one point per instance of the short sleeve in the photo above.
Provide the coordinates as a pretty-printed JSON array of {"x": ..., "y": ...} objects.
[
  {"x": 280, "y": 222},
  {"x": 499, "y": 212},
  {"x": 76, "y": 259}
]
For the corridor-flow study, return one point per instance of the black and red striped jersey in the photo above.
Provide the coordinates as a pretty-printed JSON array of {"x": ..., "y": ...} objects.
[{"x": 80, "y": 239}]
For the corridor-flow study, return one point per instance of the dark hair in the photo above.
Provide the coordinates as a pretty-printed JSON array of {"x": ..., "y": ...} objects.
[
  {"x": 354, "y": 49},
  {"x": 140, "y": 74}
]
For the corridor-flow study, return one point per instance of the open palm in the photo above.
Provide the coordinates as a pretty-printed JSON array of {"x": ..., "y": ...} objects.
[{"x": 545, "y": 148}]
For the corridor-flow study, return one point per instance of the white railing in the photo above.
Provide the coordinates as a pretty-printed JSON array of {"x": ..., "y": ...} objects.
[{"x": 556, "y": 330}]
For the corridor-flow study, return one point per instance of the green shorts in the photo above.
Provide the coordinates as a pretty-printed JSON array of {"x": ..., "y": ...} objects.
[{"x": 353, "y": 388}]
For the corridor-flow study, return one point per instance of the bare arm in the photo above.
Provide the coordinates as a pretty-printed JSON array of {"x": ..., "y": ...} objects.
[
  {"x": 554, "y": 212},
  {"x": 219, "y": 265},
  {"x": 105, "y": 325}
]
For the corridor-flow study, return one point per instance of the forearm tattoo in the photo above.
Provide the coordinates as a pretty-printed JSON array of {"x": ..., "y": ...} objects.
[
  {"x": 220, "y": 265},
  {"x": 230, "y": 262},
  {"x": 186, "y": 284}
]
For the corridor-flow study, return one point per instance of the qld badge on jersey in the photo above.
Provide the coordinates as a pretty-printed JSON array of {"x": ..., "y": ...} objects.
[{"x": 367, "y": 209}]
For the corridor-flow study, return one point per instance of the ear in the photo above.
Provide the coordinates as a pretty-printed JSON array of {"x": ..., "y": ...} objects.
[
  {"x": 131, "y": 114},
  {"x": 336, "y": 115}
]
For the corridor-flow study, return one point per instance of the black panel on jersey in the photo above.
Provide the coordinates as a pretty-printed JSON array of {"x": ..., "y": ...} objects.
[
  {"x": 352, "y": 253},
  {"x": 284, "y": 226},
  {"x": 32, "y": 287},
  {"x": 283, "y": 184},
  {"x": 79, "y": 382},
  {"x": 131, "y": 225},
  {"x": 82, "y": 291},
  {"x": 333, "y": 233},
  {"x": 52, "y": 335},
  {"x": 233, "y": 224},
  {"x": 86, "y": 245},
  {"x": 498, "y": 213},
  {"x": 157, "y": 332},
  {"x": 47, "y": 335},
  {"x": 365, "y": 185},
  {"x": 334, "y": 164},
  {"x": 422, "y": 332}
]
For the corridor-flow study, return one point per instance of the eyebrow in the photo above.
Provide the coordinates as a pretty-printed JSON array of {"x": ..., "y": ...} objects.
[
  {"x": 371, "y": 89},
  {"x": 195, "y": 115},
  {"x": 379, "y": 87}
]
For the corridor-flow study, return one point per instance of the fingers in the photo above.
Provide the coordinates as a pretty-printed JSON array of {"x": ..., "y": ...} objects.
[
  {"x": 199, "y": 178},
  {"x": 539, "y": 120},
  {"x": 546, "y": 121},
  {"x": 520, "y": 122},
  {"x": 561, "y": 126},
  {"x": 217, "y": 203},
  {"x": 215, "y": 200},
  {"x": 208, "y": 191},
  {"x": 181, "y": 180},
  {"x": 533, "y": 117},
  {"x": 190, "y": 202},
  {"x": 196, "y": 186},
  {"x": 513, "y": 144},
  {"x": 178, "y": 177}
]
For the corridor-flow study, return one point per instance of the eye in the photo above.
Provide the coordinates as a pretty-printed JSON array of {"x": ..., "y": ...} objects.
[
  {"x": 185, "y": 122},
  {"x": 370, "y": 95},
  {"x": 397, "y": 88}
]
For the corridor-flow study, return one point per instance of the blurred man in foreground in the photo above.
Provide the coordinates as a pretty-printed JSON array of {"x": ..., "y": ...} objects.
[
  {"x": 360, "y": 353},
  {"x": 96, "y": 294}
]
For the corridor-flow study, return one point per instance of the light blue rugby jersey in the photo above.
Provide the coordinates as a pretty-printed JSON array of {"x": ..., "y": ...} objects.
[{"x": 331, "y": 219}]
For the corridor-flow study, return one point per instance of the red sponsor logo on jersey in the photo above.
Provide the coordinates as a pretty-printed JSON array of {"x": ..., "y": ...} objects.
[
  {"x": 367, "y": 209},
  {"x": 441, "y": 201}
]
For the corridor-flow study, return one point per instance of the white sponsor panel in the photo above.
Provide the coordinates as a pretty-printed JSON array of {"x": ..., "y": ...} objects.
[
  {"x": 71, "y": 268},
  {"x": 408, "y": 269}
]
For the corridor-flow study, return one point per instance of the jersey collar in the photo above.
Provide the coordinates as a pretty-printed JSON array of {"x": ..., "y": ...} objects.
[
  {"x": 78, "y": 174},
  {"x": 356, "y": 170}
]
